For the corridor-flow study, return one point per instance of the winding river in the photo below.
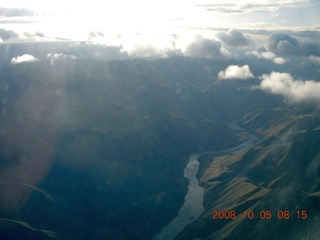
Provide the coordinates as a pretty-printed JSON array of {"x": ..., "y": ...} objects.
[{"x": 193, "y": 201}]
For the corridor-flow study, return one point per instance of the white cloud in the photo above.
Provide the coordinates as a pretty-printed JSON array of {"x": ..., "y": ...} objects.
[
  {"x": 206, "y": 48},
  {"x": 236, "y": 72},
  {"x": 23, "y": 58},
  {"x": 270, "y": 56},
  {"x": 57, "y": 56},
  {"x": 279, "y": 60},
  {"x": 293, "y": 90},
  {"x": 254, "y": 53},
  {"x": 314, "y": 59}
]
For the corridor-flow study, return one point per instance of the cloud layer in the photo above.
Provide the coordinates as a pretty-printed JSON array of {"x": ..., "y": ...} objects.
[
  {"x": 293, "y": 90},
  {"x": 236, "y": 72},
  {"x": 229, "y": 6}
]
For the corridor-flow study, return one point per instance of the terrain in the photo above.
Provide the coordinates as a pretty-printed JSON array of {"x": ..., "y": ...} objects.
[
  {"x": 119, "y": 134},
  {"x": 280, "y": 173}
]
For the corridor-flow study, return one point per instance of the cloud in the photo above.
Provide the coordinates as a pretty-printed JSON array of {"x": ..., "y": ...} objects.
[
  {"x": 314, "y": 59},
  {"x": 236, "y": 72},
  {"x": 97, "y": 37},
  {"x": 23, "y": 58},
  {"x": 268, "y": 55},
  {"x": 147, "y": 51},
  {"x": 234, "y": 38},
  {"x": 16, "y": 12},
  {"x": 206, "y": 48},
  {"x": 6, "y": 34},
  {"x": 308, "y": 48},
  {"x": 57, "y": 50},
  {"x": 285, "y": 44},
  {"x": 57, "y": 56},
  {"x": 94, "y": 34},
  {"x": 97, "y": 51},
  {"x": 230, "y": 6},
  {"x": 279, "y": 60},
  {"x": 293, "y": 90},
  {"x": 310, "y": 32},
  {"x": 36, "y": 34}
]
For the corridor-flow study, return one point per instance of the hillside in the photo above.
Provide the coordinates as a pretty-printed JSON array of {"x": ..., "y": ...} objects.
[
  {"x": 281, "y": 173},
  {"x": 96, "y": 149},
  {"x": 120, "y": 134}
]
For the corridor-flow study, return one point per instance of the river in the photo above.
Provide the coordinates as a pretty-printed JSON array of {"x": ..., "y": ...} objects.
[{"x": 193, "y": 201}]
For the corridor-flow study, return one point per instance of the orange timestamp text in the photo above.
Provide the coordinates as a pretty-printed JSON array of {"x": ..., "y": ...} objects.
[{"x": 262, "y": 214}]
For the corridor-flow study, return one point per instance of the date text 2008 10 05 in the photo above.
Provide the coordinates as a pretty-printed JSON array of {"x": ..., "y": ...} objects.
[{"x": 262, "y": 214}]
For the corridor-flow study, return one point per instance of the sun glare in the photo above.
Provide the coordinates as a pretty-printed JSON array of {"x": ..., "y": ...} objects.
[
  {"x": 112, "y": 17},
  {"x": 144, "y": 21},
  {"x": 68, "y": 19}
]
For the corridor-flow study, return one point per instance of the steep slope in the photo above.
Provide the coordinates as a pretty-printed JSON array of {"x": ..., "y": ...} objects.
[{"x": 279, "y": 174}]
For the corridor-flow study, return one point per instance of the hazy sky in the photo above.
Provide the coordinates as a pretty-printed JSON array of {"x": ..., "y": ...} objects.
[
  {"x": 280, "y": 34},
  {"x": 71, "y": 19},
  {"x": 145, "y": 28}
]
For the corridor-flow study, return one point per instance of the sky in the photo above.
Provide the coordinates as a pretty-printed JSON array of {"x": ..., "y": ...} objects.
[
  {"x": 280, "y": 33},
  {"x": 157, "y": 23}
]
